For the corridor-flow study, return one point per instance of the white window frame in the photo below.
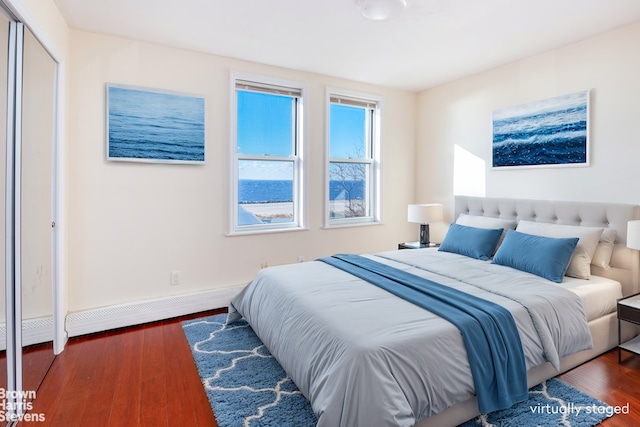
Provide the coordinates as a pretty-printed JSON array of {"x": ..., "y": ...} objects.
[
  {"x": 373, "y": 158},
  {"x": 299, "y": 202}
]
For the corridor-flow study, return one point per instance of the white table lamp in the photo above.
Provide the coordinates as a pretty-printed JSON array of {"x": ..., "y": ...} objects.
[
  {"x": 424, "y": 214},
  {"x": 633, "y": 234}
]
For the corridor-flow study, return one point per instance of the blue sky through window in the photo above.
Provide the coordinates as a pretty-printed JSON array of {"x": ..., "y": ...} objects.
[
  {"x": 347, "y": 134},
  {"x": 265, "y": 124},
  {"x": 265, "y": 127}
]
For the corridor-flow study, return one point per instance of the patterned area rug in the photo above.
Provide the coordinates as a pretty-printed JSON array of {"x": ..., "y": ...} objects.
[{"x": 247, "y": 387}]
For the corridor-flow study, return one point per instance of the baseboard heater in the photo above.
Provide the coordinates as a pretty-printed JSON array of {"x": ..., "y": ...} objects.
[
  {"x": 39, "y": 330},
  {"x": 135, "y": 313},
  {"x": 34, "y": 331}
]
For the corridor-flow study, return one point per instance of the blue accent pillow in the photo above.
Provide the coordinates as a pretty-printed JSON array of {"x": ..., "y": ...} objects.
[
  {"x": 473, "y": 242},
  {"x": 546, "y": 257}
]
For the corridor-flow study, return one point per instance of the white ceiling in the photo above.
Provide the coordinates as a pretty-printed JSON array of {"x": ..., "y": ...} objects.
[{"x": 431, "y": 42}]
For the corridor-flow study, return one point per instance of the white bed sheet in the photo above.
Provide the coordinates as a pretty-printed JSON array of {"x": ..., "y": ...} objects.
[{"x": 598, "y": 294}]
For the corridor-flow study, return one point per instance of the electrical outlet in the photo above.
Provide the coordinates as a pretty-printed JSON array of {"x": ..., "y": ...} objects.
[
  {"x": 175, "y": 277},
  {"x": 301, "y": 258},
  {"x": 264, "y": 265}
]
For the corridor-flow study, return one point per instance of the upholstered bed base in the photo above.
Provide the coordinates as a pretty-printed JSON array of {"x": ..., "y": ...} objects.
[{"x": 625, "y": 268}]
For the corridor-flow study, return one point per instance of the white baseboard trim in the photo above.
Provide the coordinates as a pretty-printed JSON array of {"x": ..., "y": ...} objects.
[
  {"x": 34, "y": 331},
  {"x": 135, "y": 313}
]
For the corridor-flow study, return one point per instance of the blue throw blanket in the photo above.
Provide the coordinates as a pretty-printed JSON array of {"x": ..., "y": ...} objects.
[{"x": 489, "y": 332}]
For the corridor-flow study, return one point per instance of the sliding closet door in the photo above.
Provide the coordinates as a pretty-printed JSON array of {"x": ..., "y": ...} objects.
[
  {"x": 36, "y": 206},
  {"x": 4, "y": 43}
]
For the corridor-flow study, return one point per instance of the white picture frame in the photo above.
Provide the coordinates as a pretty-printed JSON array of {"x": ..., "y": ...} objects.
[
  {"x": 153, "y": 125},
  {"x": 552, "y": 132}
]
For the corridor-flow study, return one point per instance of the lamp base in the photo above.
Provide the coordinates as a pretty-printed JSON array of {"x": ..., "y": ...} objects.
[{"x": 424, "y": 234}]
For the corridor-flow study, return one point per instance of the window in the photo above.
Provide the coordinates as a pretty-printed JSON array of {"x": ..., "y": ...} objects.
[
  {"x": 354, "y": 159},
  {"x": 267, "y": 163}
]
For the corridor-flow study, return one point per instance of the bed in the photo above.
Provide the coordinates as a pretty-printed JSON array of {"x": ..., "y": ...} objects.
[{"x": 364, "y": 356}]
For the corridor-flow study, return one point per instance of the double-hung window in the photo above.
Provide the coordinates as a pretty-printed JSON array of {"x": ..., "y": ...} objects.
[
  {"x": 267, "y": 162},
  {"x": 353, "y": 166}
]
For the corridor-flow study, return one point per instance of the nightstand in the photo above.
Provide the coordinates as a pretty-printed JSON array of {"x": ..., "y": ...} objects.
[
  {"x": 416, "y": 245},
  {"x": 629, "y": 311}
]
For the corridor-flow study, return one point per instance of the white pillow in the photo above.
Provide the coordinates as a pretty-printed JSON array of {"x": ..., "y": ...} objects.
[
  {"x": 487, "y": 222},
  {"x": 604, "y": 250},
  {"x": 580, "y": 265}
]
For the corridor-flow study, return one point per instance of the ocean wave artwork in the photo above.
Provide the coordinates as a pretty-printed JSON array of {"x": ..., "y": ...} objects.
[
  {"x": 549, "y": 132},
  {"x": 154, "y": 126}
]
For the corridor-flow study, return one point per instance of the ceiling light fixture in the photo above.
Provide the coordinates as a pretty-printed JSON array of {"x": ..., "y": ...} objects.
[{"x": 379, "y": 10}]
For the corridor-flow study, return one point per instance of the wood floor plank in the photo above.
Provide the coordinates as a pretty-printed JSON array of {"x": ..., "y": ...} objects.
[
  {"x": 145, "y": 376},
  {"x": 174, "y": 357},
  {"x": 196, "y": 410},
  {"x": 125, "y": 406},
  {"x": 154, "y": 393},
  {"x": 85, "y": 380},
  {"x": 103, "y": 384}
]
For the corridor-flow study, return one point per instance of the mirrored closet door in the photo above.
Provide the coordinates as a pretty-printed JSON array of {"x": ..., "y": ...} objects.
[
  {"x": 36, "y": 207},
  {"x": 4, "y": 54},
  {"x": 28, "y": 129}
]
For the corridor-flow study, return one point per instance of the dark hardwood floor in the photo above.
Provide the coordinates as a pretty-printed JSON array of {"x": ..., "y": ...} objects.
[
  {"x": 138, "y": 376},
  {"x": 145, "y": 376}
]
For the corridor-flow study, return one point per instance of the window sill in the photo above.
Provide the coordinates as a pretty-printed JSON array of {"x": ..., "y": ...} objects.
[
  {"x": 265, "y": 231},
  {"x": 351, "y": 224}
]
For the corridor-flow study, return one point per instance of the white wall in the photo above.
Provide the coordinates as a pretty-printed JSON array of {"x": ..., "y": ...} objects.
[
  {"x": 131, "y": 224},
  {"x": 454, "y": 122}
]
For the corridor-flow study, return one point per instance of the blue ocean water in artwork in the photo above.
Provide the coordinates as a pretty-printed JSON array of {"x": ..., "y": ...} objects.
[
  {"x": 155, "y": 125},
  {"x": 548, "y": 132},
  {"x": 271, "y": 191}
]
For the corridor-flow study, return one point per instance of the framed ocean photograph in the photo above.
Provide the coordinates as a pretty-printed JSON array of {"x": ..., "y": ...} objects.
[
  {"x": 546, "y": 133},
  {"x": 151, "y": 125}
]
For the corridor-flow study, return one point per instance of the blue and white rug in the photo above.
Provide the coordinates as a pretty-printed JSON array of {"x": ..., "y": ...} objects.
[{"x": 248, "y": 388}]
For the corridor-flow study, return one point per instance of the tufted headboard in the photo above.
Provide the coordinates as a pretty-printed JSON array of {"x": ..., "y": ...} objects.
[{"x": 625, "y": 262}]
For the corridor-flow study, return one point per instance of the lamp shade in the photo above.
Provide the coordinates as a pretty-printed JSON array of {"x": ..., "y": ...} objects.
[
  {"x": 633, "y": 234},
  {"x": 425, "y": 213}
]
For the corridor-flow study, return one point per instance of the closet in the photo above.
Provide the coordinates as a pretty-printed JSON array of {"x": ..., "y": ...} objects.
[{"x": 28, "y": 81}]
